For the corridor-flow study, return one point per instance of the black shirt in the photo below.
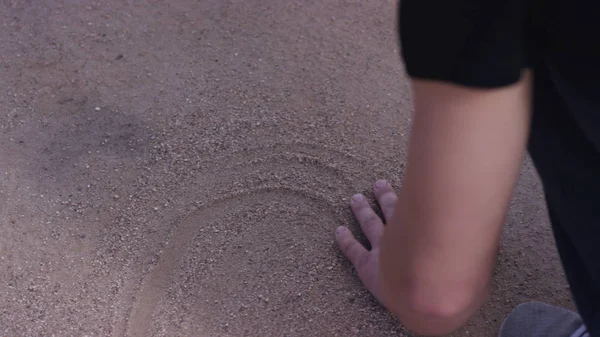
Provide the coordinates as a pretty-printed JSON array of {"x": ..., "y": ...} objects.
[{"x": 488, "y": 44}]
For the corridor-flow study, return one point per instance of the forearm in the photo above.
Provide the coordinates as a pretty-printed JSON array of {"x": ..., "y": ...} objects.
[{"x": 439, "y": 249}]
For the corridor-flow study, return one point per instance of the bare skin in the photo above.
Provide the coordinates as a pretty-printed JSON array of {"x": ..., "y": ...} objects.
[
  {"x": 366, "y": 261},
  {"x": 431, "y": 264}
]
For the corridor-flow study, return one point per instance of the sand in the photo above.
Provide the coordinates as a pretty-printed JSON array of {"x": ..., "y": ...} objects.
[{"x": 177, "y": 168}]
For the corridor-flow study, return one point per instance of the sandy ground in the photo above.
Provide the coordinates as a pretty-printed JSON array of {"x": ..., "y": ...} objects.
[{"x": 177, "y": 168}]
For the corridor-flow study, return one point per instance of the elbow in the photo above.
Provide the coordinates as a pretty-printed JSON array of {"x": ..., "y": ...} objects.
[
  {"x": 432, "y": 317},
  {"x": 432, "y": 312}
]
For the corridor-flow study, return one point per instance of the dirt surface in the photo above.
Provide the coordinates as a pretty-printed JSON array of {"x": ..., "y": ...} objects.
[{"x": 177, "y": 168}]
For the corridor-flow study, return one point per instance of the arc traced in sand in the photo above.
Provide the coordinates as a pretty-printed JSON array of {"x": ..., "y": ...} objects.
[{"x": 158, "y": 280}]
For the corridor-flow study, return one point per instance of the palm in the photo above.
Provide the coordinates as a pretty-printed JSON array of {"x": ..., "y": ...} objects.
[{"x": 366, "y": 262}]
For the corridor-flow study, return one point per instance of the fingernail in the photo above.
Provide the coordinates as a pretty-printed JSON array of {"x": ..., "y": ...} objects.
[
  {"x": 340, "y": 229},
  {"x": 358, "y": 197},
  {"x": 380, "y": 183}
]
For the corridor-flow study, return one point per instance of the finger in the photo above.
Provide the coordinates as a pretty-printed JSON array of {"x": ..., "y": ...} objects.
[
  {"x": 352, "y": 249},
  {"x": 386, "y": 198},
  {"x": 370, "y": 223}
]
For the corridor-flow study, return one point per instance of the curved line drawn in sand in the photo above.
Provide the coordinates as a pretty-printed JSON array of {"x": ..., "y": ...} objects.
[
  {"x": 302, "y": 159},
  {"x": 299, "y": 147},
  {"x": 316, "y": 160},
  {"x": 158, "y": 279},
  {"x": 307, "y": 153},
  {"x": 310, "y": 150},
  {"x": 304, "y": 153}
]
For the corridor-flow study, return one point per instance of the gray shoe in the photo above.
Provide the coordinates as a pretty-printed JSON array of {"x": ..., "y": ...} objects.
[{"x": 536, "y": 319}]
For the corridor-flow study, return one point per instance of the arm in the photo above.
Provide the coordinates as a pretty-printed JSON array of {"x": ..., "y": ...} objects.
[
  {"x": 437, "y": 254},
  {"x": 439, "y": 250}
]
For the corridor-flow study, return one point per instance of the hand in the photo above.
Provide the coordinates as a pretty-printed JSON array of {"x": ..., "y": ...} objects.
[{"x": 366, "y": 262}]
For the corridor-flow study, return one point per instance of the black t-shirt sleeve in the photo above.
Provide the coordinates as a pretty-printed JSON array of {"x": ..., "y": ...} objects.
[{"x": 475, "y": 43}]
